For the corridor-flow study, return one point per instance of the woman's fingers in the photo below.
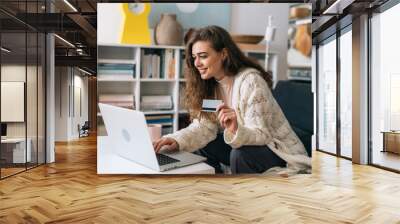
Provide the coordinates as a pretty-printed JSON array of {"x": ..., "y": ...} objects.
[
  {"x": 225, "y": 115},
  {"x": 224, "y": 111},
  {"x": 156, "y": 145},
  {"x": 160, "y": 143},
  {"x": 165, "y": 141}
]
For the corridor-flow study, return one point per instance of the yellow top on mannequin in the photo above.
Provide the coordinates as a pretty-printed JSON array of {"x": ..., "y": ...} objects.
[{"x": 136, "y": 25}]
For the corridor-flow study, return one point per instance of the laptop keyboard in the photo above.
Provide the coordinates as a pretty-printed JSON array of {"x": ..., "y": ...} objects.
[{"x": 163, "y": 159}]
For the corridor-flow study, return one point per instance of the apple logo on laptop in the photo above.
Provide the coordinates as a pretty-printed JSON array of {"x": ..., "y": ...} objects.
[{"x": 125, "y": 135}]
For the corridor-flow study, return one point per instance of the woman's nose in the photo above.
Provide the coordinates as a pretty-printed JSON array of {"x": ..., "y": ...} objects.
[{"x": 197, "y": 62}]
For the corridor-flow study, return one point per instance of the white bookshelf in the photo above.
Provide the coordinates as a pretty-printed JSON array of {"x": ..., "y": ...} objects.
[
  {"x": 116, "y": 61},
  {"x": 156, "y": 80},
  {"x": 138, "y": 86}
]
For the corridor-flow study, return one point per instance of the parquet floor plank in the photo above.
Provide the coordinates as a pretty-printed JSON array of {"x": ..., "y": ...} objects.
[{"x": 70, "y": 191}]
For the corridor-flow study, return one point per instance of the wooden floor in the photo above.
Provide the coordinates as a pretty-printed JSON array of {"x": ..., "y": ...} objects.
[
  {"x": 70, "y": 191},
  {"x": 387, "y": 159},
  {"x": 5, "y": 172}
]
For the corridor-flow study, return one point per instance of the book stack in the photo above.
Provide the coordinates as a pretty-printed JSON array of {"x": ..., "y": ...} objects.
[
  {"x": 158, "y": 64},
  {"x": 299, "y": 74},
  {"x": 163, "y": 119},
  {"x": 156, "y": 102},
  {"x": 119, "y": 100},
  {"x": 166, "y": 130},
  {"x": 116, "y": 71}
]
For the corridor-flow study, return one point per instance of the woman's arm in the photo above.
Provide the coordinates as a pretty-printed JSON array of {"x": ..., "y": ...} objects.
[
  {"x": 196, "y": 136},
  {"x": 256, "y": 105}
]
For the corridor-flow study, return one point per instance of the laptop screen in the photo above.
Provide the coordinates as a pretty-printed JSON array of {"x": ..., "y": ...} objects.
[{"x": 3, "y": 129}]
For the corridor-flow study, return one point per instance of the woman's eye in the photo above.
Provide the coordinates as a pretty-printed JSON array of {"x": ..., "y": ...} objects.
[{"x": 200, "y": 56}]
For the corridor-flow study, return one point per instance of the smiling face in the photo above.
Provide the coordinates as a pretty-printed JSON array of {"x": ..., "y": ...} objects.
[{"x": 208, "y": 61}]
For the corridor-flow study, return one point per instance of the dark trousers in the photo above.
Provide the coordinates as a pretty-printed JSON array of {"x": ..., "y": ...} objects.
[{"x": 246, "y": 159}]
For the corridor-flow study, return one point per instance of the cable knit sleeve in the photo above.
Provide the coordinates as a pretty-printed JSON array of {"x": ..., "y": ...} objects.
[
  {"x": 255, "y": 112},
  {"x": 196, "y": 136}
]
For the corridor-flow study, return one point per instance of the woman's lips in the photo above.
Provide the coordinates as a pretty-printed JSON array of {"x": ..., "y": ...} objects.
[{"x": 202, "y": 70}]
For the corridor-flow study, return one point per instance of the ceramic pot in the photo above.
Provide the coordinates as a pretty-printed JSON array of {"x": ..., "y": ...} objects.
[
  {"x": 168, "y": 31},
  {"x": 302, "y": 40}
]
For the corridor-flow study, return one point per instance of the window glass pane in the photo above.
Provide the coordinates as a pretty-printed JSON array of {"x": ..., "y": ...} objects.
[
  {"x": 14, "y": 153},
  {"x": 385, "y": 88},
  {"x": 346, "y": 94},
  {"x": 327, "y": 97}
]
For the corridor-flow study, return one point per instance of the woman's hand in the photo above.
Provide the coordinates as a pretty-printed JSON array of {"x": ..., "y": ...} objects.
[
  {"x": 227, "y": 118},
  {"x": 168, "y": 144}
]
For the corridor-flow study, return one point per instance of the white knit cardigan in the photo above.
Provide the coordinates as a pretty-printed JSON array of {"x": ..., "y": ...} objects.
[{"x": 260, "y": 122}]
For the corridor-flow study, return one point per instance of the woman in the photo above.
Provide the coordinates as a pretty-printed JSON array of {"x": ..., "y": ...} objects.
[{"x": 249, "y": 132}]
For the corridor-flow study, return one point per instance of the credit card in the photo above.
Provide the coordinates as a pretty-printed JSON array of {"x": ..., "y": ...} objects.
[{"x": 210, "y": 105}]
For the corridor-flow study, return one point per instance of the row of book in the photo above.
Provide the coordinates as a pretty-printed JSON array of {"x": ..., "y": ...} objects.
[
  {"x": 158, "y": 64},
  {"x": 116, "y": 71}
]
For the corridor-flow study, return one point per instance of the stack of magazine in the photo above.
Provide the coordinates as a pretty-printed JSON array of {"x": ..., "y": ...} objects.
[
  {"x": 116, "y": 71},
  {"x": 163, "y": 102},
  {"x": 120, "y": 100},
  {"x": 163, "y": 119}
]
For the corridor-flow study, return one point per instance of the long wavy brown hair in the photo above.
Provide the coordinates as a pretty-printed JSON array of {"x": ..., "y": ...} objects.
[{"x": 198, "y": 89}]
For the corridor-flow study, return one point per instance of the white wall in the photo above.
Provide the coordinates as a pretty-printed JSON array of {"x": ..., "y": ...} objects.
[
  {"x": 62, "y": 81},
  {"x": 67, "y": 81},
  {"x": 80, "y": 82},
  {"x": 252, "y": 18},
  {"x": 110, "y": 23},
  {"x": 17, "y": 73}
]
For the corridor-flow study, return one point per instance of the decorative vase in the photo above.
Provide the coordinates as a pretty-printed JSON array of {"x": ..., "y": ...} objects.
[
  {"x": 302, "y": 40},
  {"x": 168, "y": 31}
]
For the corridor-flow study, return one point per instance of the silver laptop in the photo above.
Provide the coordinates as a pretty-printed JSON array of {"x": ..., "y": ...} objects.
[{"x": 128, "y": 133}]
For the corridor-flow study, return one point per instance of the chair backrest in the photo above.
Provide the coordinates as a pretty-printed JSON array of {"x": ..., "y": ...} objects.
[
  {"x": 86, "y": 125},
  {"x": 296, "y": 100}
]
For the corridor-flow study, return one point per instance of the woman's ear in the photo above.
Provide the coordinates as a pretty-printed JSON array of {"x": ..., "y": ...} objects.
[{"x": 224, "y": 54}]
